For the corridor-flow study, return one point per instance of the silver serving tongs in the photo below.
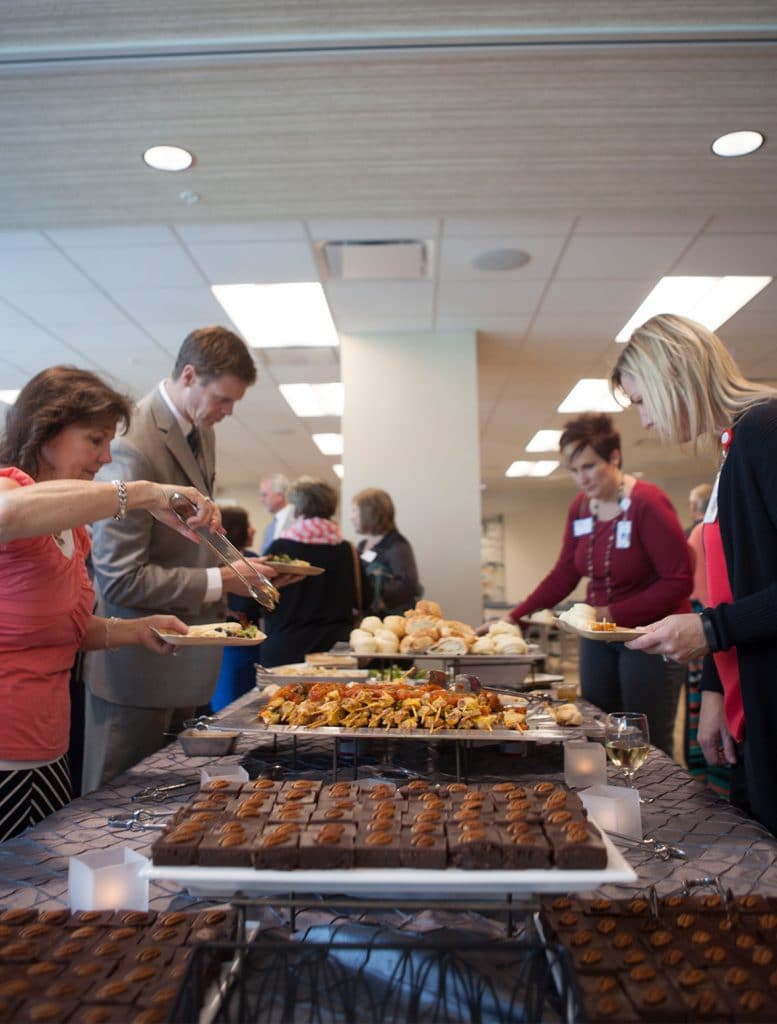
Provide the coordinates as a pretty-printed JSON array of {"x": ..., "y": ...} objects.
[{"x": 259, "y": 587}]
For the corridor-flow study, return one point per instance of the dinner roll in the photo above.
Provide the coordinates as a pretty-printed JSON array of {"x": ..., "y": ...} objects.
[
  {"x": 358, "y": 635},
  {"x": 429, "y": 608},
  {"x": 368, "y": 646},
  {"x": 387, "y": 642},
  {"x": 483, "y": 645},
  {"x": 396, "y": 623},
  {"x": 423, "y": 624},
  {"x": 371, "y": 623},
  {"x": 416, "y": 643},
  {"x": 451, "y": 627},
  {"x": 502, "y": 627}
]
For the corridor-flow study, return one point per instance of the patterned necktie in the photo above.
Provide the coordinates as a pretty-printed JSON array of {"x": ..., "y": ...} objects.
[{"x": 193, "y": 439}]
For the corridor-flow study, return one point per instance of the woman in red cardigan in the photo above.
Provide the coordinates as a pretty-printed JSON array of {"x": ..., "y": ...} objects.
[{"x": 625, "y": 536}]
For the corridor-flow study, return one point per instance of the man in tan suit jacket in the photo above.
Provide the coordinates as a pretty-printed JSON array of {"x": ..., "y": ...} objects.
[{"x": 140, "y": 566}]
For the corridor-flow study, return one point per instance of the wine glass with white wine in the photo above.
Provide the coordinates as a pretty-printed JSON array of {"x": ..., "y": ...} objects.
[{"x": 627, "y": 741}]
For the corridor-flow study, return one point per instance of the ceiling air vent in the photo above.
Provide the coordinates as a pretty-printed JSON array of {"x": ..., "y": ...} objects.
[{"x": 379, "y": 260}]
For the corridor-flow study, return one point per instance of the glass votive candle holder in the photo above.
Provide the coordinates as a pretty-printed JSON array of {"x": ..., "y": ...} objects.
[
  {"x": 585, "y": 764},
  {"x": 615, "y": 809},
  {"x": 108, "y": 880},
  {"x": 232, "y": 773}
]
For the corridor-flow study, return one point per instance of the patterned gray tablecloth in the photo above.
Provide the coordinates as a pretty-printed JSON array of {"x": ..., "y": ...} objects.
[{"x": 719, "y": 840}]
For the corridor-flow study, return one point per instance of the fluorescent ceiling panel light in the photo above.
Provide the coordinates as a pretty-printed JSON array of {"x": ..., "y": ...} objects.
[
  {"x": 337, "y": 469},
  {"x": 168, "y": 158},
  {"x": 737, "y": 143},
  {"x": 544, "y": 467},
  {"x": 9, "y": 395},
  {"x": 314, "y": 399},
  {"x": 291, "y": 315},
  {"x": 329, "y": 444},
  {"x": 591, "y": 394},
  {"x": 544, "y": 441},
  {"x": 710, "y": 301}
]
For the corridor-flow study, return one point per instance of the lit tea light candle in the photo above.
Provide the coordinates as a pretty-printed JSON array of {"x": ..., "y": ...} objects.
[
  {"x": 585, "y": 764},
  {"x": 108, "y": 880},
  {"x": 615, "y": 809}
]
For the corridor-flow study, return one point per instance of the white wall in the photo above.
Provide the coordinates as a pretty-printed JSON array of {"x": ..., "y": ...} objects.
[{"x": 410, "y": 426}]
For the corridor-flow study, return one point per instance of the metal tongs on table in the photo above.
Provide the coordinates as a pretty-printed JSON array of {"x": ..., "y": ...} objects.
[
  {"x": 140, "y": 821},
  {"x": 257, "y": 585},
  {"x": 662, "y": 850}
]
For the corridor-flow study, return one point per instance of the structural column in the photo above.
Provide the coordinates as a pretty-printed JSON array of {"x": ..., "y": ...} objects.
[{"x": 410, "y": 426}]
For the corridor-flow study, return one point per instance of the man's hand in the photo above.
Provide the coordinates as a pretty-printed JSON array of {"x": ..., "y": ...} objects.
[
  {"x": 713, "y": 735},
  {"x": 679, "y": 637}
]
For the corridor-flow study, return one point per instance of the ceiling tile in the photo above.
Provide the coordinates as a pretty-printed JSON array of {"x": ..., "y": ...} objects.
[
  {"x": 15, "y": 240},
  {"x": 372, "y": 230},
  {"x": 736, "y": 254},
  {"x": 171, "y": 305},
  {"x": 621, "y": 256},
  {"x": 255, "y": 262},
  {"x": 457, "y": 254},
  {"x": 70, "y": 309},
  {"x": 393, "y": 305},
  {"x": 267, "y": 231},
  {"x": 134, "y": 267},
  {"x": 472, "y": 300},
  {"x": 33, "y": 349},
  {"x": 596, "y": 296},
  {"x": 516, "y": 324},
  {"x": 496, "y": 227},
  {"x": 111, "y": 237},
  {"x": 37, "y": 270},
  {"x": 649, "y": 222}
]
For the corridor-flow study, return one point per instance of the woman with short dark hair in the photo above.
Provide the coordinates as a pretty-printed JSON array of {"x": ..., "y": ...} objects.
[
  {"x": 57, "y": 435},
  {"x": 625, "y": 536}
]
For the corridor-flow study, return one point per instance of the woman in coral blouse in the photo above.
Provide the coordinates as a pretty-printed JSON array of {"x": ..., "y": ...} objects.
[
  {"x": 625, "y": 536},
  {"x": 57, "y": 435}
]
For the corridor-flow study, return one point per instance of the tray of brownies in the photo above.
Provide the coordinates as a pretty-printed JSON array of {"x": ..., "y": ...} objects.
[{"x": 372, "y": 838}]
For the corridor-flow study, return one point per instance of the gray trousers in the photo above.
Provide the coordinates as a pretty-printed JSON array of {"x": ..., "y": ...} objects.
[
  {"x": 617, "y": 679},
  {"x": 116, "y": 737}
]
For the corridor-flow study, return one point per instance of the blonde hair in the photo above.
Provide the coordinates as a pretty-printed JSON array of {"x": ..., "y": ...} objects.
[{"x": 687, "y": 379}]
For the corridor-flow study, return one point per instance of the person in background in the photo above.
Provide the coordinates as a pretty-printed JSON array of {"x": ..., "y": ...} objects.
[
  {"x": 319, "y": 612},
  {"x": 687, "y": 386},
  {"x": 625, "y": 536},
  {"x": 57, "y": 436},
  {"x": 389, "y": 574},
  {"x": 697, "y": 504},
  {"x": 272, "y": 491},
  {"x": 132, "y": 703},
  {"x": 238, "y": 665}
]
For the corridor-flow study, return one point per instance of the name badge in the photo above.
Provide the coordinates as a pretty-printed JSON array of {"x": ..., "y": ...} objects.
[
  {"x": 623, "y": 534},
  {"x": 368, "y": 556},
  {"x": 580, "y": 527}
]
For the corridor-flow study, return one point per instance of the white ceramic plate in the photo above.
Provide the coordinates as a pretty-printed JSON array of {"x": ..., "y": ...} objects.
[{"x": 179, "y": 640}]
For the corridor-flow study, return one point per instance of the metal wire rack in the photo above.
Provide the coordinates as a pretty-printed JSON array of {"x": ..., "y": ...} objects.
[{"x": 382, "y": 976}]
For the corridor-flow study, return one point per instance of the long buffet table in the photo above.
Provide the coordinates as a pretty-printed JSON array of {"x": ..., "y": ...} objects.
[
  {"x": 394, "y": 951},
  {"x": 717, "y": 838}
]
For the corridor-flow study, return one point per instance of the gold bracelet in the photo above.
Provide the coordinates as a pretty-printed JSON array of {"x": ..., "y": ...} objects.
[{"x": 108, "y": 624}]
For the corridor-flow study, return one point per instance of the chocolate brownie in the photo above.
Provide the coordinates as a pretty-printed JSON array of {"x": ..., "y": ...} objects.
[
  {"x": 378, "y": 849},
  {"x": 329, "y": 845},
  {"x": 423, "y": 850}
]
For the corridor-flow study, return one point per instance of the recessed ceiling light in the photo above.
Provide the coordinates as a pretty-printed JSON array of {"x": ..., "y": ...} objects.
[
  {"x": 709, "y": 300},
  {"x": 289, "y": 315},
  {"x": 329, "y": 444},
  {"x": 738, "y": 143},
  {"x": 544, "y": 467},
  {"x": 314, "y": 399},
  {"x": 168, "y": 158},
  {"x": 590, "y": 394},
  {"x": 337, "y": 469},
  {"x": 544, "y": 441},
  {"x": 501, "y": 259}
]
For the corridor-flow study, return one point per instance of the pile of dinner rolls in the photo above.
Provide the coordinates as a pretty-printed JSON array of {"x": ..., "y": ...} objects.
[{"x": 423, "y": 630}]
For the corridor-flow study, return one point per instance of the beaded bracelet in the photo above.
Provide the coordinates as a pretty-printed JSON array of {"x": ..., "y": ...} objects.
[{"x": 121, "y": 493}]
